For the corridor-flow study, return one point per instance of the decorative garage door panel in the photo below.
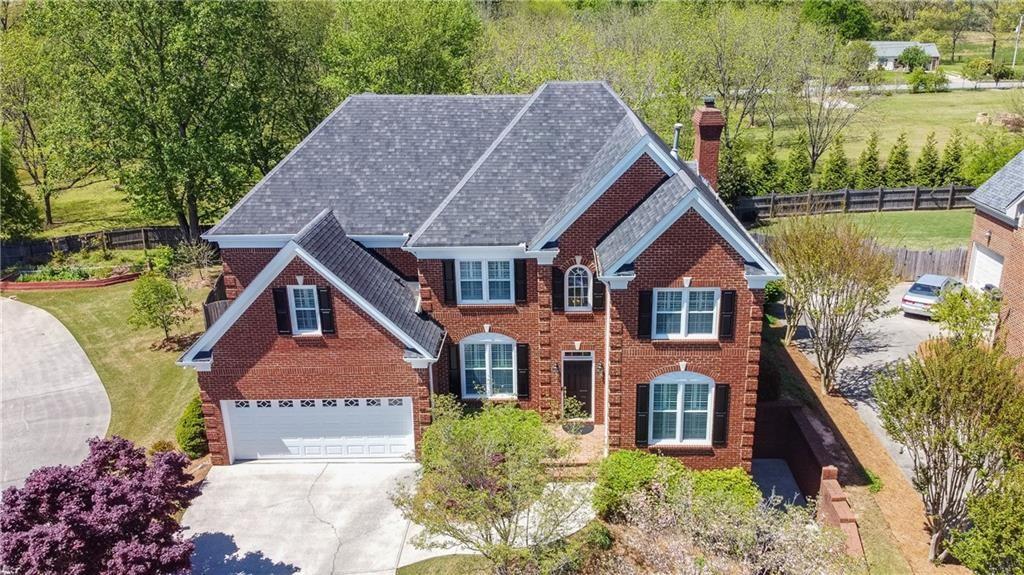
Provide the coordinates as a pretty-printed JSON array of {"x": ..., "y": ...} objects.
[
  {"x": 380, "y": 427},
  {"x": 986, "y": 267}
]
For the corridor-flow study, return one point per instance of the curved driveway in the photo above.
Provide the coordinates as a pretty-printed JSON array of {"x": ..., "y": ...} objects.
[{"x": 52, "y": 399}]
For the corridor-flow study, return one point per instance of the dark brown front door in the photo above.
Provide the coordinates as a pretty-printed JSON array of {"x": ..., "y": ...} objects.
[{"x": 578, "y": 381}]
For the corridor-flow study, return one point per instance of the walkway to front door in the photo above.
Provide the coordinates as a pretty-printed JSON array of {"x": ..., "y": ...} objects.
[{"x": 578, "y": 378}]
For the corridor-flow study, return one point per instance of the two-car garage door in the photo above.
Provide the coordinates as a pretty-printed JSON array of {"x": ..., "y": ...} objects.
[{"x": 379, "y": 427}]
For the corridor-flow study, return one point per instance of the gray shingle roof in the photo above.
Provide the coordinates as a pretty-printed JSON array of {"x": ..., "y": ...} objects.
[
  {"x": 889, "y": 49},
  {"x": 1004, "y": 188},
  {"x": 643, "y": 219},
  {"x": 324, "y": 238},
  {"x": 383, "y": 163},
  {"x": 531, "y": 170}
]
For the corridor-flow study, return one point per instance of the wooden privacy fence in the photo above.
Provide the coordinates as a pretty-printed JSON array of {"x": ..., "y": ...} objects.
[
  {"x": 873, "y": 200},
  {"x": 41, "y": 250}
]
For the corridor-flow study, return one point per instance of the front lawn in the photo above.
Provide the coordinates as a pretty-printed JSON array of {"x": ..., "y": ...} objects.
[
  {"x": 448, "y": 565},
  {"x": 940, "y": 230},
  {"x": 147, "y": 391}
]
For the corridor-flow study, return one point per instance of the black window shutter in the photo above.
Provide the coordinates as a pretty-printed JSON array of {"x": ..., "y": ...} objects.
[
  {"x": 643, "y": 403},
  {"x": 448, "y": 275},
  {"x": 727, "y": 315},
  {"x": 643, "y": 328},
  {"x": 520, "y": 279},
  {"x": 284, "y": 315},
  {"x": 326, "y": 305},
  {"x": 598, "y": 291},
  {"x": 523, "y": 370},
  {"x": 454, "y": 371},
  {"x": 720, "y": 430},
  {"x": 557, "y": 289}
]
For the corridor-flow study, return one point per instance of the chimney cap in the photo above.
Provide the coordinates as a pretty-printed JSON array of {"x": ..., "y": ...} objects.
[{"x": 709, "y": 101}]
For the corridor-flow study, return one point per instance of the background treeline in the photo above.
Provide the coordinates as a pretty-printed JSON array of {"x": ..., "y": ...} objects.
[{"x": 184, "y": 105}]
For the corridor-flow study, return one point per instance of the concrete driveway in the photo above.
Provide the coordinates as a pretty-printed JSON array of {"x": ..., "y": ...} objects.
[
  {"x": 52, "y": 399},
  {"x": 321, "y": 518},
  {"x": 886, "y": 341}
]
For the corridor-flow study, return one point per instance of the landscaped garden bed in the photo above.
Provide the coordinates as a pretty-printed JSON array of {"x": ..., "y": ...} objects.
[{"x": 94, "y": 268}]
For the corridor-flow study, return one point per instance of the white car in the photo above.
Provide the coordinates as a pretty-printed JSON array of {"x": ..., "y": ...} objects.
[{"x": 926, "y": 292}]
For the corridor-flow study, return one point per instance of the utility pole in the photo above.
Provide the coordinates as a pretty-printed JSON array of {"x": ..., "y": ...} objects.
[{"x": 1016, "y": 40}]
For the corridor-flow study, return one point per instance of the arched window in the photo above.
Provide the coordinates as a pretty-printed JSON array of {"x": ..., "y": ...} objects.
[
  {"x": 578, "y": 286},
  {"x": 681, "y": 408},
  {"x": 488, "y": 365}
]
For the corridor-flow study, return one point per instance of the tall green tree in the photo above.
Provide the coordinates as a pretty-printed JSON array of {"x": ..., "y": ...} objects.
[
  {"x": 837, "y": 174},
  {"x": 765, "y": 171},
  {"x": 734, "y": 180},
  {"x": 869, "y": 167},
  {"x": 414, "y": 47},
  {"x": 954, "y": 17},
  {"x": 897, "y": 168},
  {"x": 165, "y": 87},
  {"x": 850, "y": 18},
  {"x": 927, "y": 170},
  {"x": 952, "y": 160},
  {"x": 796, "y": 177},
  {"x": 19, "y": 216}
]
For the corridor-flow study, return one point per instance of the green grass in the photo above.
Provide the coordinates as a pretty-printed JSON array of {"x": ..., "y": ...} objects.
[
  {"x": 147, "y": 391},
  {"x": 875, "y": 483},
  {"x": 448, "y": 565},
  {"x": 97, "y": 206},
  {"x": 940, "y": 230}
]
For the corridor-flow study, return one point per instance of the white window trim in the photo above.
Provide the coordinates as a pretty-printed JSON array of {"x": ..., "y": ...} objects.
[
  {"x": 590, "y": 289},
  {"x": 291, "y": 310},
  {"x": 684, "y": 322},
  {"x": 681, "y": 379},
  {"x": 488, "y": 339},
  {"x": 485, "y": 278}
]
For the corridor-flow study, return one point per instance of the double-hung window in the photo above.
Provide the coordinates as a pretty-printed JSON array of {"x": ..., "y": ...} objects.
[
  {"x": 488, "y": 366},
  {"x": 304, "y": 309},
  {"x": 681, "y": 409},
  {"x": 578, "y": 286},
  {"x": 485, "y": 281},
  {"x": 687, "y": 313}
]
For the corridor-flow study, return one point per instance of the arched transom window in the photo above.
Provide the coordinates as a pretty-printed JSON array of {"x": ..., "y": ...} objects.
[
  {"x": 578, "y": 289},
  {"x": 488, "y": 365},
  {"x": 681, "y": 408}
]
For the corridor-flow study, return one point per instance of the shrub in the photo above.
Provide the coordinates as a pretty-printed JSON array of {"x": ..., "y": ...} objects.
[
  {"x": 162, "y": 446},
  {"x": 597, "y": 535},
  {"x": 775, "y": 291},
  {"x": 162, "y": 259},
  {"x": 191, "y": 430},
  {"x": 995, "y": 541},
  {"x": 625, "y": 472},
  {"x": 725, "y": 487},
  {"x": 155, "y": 303}
]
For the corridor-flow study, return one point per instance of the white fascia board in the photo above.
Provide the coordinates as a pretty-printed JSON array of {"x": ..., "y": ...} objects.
[
  {"x": 420, "y": 362},
  {"x": 543, "y": 257},
  {"x": 229, "y": 241},
  {"x": 380, "y": 241},
  {"x": 617, "y": 282},
  {"x": 645, "y": 145},
  {"x": 760, "y": 281},
  {"x": 468, "y": 252}
]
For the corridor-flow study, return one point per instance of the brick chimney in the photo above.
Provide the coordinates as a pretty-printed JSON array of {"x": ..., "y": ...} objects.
[{"x": 707, "y": 128}]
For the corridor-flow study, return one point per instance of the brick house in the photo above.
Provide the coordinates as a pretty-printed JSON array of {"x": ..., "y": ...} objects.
[
  {"x": 997, "y": 246},
  {"x": 521, "y": 248}
]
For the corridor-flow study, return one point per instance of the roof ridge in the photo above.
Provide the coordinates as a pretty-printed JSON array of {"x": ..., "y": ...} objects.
[
  {"x": 476, "y": 165},
  {"x": 299, "y": 235},
  {"x": 435, "y": 96},
  {"x": 637, "y": 123}
]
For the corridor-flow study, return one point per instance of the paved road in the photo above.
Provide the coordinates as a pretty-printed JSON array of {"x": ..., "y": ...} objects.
[{"x": 51, "y": 397}]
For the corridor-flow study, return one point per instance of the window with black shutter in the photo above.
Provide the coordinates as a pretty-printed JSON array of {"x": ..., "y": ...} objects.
[
  {"x": 643, "y": 406},
  {"x": 284, "y": 318},
  {"x": 454, "y": 371},
  {"x": 326, "y": 307},
  {"x": 523, "y": 370},
  {"x": 598, "y": 295},
  {"x": 557, "y": 289},
  {"x": 720, "y": 428},
  {"x": 727, "y": 315},
  {"x": 520, "y": 280},
  {"x": 643, "y": 328},
  {"x": 448, "y": 279}
]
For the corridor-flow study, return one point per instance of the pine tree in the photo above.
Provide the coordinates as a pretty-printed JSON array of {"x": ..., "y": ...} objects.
[
  {"x": 837, "y": 168},
  {"x": 765, "y": 176},
  {"x": 733, "y": 174},
  {"x": 952, "y": 158},
  {"x": 898, "y": 172},
  {"x": 869, "y": 167},
  {"x": 926, "y": 170},
  {"x": 797, "y": 175}
]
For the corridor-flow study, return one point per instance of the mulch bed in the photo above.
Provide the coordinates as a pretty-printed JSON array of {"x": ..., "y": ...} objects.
[{"x": 60, "y": 285}]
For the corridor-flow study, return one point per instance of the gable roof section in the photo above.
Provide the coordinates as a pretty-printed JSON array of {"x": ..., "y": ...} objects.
[
  {"x": 359, "y": 276},
  {"x": 383, "y": 163},
  {"x": 1002, "y": 191}
]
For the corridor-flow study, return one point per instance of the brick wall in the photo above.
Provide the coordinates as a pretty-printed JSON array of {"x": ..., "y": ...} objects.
[
  {"x": 1009, "y": 243},
  {"x": 253, "y": 362},
  {"x": 690, "y": 248}
]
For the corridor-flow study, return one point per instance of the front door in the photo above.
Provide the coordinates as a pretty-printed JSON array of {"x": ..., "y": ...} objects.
[{"x": 578, "y": 381}]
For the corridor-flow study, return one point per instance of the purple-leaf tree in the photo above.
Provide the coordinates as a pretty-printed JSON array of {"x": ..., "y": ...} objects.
[{"x": 113, "y": 513}]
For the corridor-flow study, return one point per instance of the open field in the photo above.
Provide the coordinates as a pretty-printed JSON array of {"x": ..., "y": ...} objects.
[
  {"x": 97, "y": 206},
  {"x": 940, "y": 230},
  {"x": 147, "y": 391}
]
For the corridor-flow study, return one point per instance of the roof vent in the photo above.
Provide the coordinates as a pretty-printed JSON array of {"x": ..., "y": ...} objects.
[{"x": 675, "y": 140}]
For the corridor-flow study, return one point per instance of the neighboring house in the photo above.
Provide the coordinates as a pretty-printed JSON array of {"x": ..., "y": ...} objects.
[
  {"x": 517, "y": 248},
  {"x": 887, "y": 54},
  {"x": 997, "y": 246}
]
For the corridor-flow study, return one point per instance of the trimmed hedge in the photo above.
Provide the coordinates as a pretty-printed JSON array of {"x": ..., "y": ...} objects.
[
  {"x": 731, "y": 486},
  {"x": 191, "y": 430}
]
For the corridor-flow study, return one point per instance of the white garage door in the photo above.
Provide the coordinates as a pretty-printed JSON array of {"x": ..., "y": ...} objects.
[
  {"x": 379, "y": 427},
  {"x": 986, "y": 267}
]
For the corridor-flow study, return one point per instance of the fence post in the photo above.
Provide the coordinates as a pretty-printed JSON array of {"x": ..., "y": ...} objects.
[
  {"x": 846, "y": 200},
  {"x": 771, "y": 205},
  {"x": 808, "y": 208},
  {"x": 881, "y": 198},
  {"x": 145, "y": 239},
  {"x": 917, "y": 197},
  {"x": 952, "y": 196}
]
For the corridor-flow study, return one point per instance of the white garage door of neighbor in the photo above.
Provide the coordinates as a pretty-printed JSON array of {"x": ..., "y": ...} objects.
[
  {"x": 379, "y": 427},
  {"x": 986, "y": 267}
]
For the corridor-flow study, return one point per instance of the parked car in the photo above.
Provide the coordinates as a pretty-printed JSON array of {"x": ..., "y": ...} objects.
[{"x": 926, "y": 292}]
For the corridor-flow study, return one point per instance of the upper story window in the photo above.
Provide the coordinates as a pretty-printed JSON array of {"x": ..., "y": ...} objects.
[
  {"x": 488, "y": 366},
  {"x": 687, "y": 313},
  {"x": 681, "y": 405},
  {"x": 304, "y": 308},
  {"x": 484, "y": 281},
  {"x": 578, "y": 289}
]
